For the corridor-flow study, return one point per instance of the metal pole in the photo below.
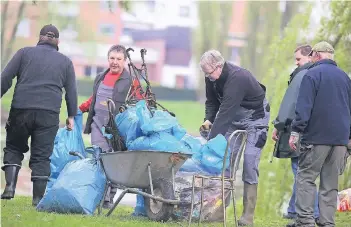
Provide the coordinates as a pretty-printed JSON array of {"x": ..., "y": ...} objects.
[
  {"x": 202, "y": 200},
  {"x": 192, "y": 201},
  {"x": 150, "y": 178}
]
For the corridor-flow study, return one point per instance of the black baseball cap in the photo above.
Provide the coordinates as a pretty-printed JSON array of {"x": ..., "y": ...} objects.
[{"x": 50, "y": 30}]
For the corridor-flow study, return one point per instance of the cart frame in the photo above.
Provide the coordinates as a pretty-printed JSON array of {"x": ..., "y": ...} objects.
[
  {"x": 176, "y": 160},
  {"x": 234, "y": 165}
]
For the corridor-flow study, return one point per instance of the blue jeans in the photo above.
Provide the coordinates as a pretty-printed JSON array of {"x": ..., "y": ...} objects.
[{"x": 291, "y": 208}]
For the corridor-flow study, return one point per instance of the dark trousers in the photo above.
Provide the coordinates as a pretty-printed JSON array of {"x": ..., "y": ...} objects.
[{"x": 41, "y": 126}]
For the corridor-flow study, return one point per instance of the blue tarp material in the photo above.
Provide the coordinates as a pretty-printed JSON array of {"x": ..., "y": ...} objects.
[
  {"x": 78, "y": 189},
  {"x": 66, "y": 141}
]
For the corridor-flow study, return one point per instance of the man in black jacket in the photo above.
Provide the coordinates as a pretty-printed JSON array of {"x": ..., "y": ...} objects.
[
  {"x": 282, "y": 124},
  {"x": 41, "y": 73},
  {"x": 323, "y": 123},
  {"x": 235, "y": 100}
]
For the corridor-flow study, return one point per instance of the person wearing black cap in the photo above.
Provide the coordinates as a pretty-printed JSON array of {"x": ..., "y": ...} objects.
[{"x": 41, "y": 73}]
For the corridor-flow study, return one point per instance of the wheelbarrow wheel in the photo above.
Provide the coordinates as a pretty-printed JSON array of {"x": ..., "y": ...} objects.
[{"x": 156, "y": 210}]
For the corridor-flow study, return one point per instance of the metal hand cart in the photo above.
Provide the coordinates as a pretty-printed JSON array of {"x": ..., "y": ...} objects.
[
  {"x": 151, "y": 171},
  {"x": 233, "y": 167}
]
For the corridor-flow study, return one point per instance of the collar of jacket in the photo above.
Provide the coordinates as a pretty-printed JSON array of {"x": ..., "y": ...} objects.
[
  {"x": 224, "y": 75},
  {"x": 298, "y": 69},
  {"x": 325, "y": 61},
  {"x": 124, "y": 74},
  {"x": 47, "y": 44}
]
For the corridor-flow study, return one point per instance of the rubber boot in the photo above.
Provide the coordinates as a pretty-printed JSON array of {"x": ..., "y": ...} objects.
[
  {"x": 39, "y": 187},
  {"x": 249, "y": 200},
  {"x": 11, "y": 175}
]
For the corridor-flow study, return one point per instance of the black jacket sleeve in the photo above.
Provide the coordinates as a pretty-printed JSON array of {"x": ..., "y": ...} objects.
[
  {"x": 234, "y": 93},
  {"x": 212, "y": 104},
  {"x": 11, "y": 70},
  {"x": 304, "y": 104},
  {"x": 71, "y": 91}
]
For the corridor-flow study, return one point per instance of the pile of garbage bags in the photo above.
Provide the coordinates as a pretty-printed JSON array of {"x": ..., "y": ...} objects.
[
  {"x": 157, "y": 130},
  {"x": 144, "y": 129},
  {"x": 77, "y": 182},
  {"x": 78, "y": 189}
]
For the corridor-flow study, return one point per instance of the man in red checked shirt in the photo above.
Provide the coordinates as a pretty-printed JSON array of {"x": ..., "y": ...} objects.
[{"x": 114, "y": 83}]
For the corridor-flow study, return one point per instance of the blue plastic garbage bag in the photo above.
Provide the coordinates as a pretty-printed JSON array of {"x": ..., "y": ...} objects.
[
  {"x": 160, "y": 121},
  {"x": 213, "y": 154},
  {"x": 143, "y": 113},
  {"x": 78, "y": 189},
  {"x": 66, "y": 141},
  {"x": 139, "y": 209},
  {"x": 178, "y": 131},
  {"x": 193, "y": 165},
  {"x": 128, "y": 124},
  {"x": 160, "y": 141},
  {"x": 194, "y": 144}
]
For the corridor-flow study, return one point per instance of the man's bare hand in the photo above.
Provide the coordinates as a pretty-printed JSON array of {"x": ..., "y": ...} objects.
[
  {"x": 205, "y": 129},
  {"x": 206, "y": 126},
  {"x": 275, "y": 134},
  {"x": 293, "y": 140},
  {"x": 70, "y": 123}
]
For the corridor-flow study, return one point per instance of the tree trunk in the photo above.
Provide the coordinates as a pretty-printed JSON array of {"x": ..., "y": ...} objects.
[
  {"x": 3, "y": 25},
  {"x": 9, "y": 45}
]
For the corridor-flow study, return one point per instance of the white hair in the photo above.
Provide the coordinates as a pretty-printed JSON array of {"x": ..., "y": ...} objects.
[
  {"x": 211, "y": 58},
  {"x": 326, "y": 55}
]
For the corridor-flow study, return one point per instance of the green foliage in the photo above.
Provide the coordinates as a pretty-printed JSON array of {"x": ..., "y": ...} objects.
[
  {"x": 336, "y": 29},
  {"x": 212, "y": 32},
  {"x": 263, "y": 23}
]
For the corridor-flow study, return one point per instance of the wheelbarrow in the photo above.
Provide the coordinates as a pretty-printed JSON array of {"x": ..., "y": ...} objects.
[
  {"x": 233, "y": 167},
  {"x": 151, "y": 171}
]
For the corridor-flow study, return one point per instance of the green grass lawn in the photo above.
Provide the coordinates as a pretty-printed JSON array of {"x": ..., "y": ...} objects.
[{"x": 19, "y": 212}]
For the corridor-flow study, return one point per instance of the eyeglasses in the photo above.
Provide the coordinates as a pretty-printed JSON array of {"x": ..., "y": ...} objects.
[{"x": 207, "y": 75}]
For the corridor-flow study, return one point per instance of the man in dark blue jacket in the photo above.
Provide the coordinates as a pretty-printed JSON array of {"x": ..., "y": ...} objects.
[
  {"x": 323, "y": 122},
  {"x": 42, "y": 72}
]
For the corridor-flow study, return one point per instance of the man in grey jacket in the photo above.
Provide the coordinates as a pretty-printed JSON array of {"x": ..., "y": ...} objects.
[{"x": 282, "y": 124}]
